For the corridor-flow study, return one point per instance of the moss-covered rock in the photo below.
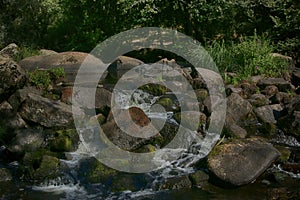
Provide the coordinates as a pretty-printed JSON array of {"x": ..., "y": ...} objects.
[
  {"x": 64, "y": 141},
  {"x": 154, "y": 89},
  {"x": 146, "y": 148},
  {"x": 199, "y": 179},
  {"x": 166, "y": 102},
  {"x": 285, "y": 153},
  {"x": 99, "y": 172},
  {"x": 48, "y": 169},
  {"x": 123, "y": 182}
]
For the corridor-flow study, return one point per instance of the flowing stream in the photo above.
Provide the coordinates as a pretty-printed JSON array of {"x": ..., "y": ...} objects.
[{"x": 71, "y": 185}]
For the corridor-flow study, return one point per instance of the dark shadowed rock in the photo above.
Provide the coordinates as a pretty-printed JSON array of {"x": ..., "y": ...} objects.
[
  {"x": 122, "y": 65},
  {"x": 199, "y": 179},
  {"x": 46, "y": 112},
  {"x": 241, "y": 161},
  {"x": 12, "y": 77},
  {"x": 270, "y": 90},
  {"x": 26, "y": 140},
  {"x": 175, "y": 183},
  {"x": 280, "y": 83},
  {"x": 295, "y": 79}
]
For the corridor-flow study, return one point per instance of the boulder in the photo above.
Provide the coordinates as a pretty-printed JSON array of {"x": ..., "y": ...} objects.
[
  {"x": 121, "y": 65},
  {"x": 12, "y": 77},
  {"x": 266, "y": 113},
  {"x": 26, "y": 140},
  {"x": 174, "y": 183},
  {"x": 47, "y": 170},
  {"x": 70, "y": 61},
  {"x": 46, "y": 112},
  {"x": 122, "y": 139},
  {"x": 240, "y": 112},
  {"x": 241, "y": 161},
  {"x": 10, "y": 50},
  {"x": 280, "y": 83},
  {"x": 199, "y": 179}
]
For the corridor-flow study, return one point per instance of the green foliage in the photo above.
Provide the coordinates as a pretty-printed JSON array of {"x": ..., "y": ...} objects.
[
  {"x": 81, "y": 25},
  {"x": 248, "y": 57},
  {"x": 25, "y": 52},
  {"x": 43, "y": 78}
]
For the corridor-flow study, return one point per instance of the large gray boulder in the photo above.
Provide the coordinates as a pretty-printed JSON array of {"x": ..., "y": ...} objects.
[
  {"x": 241, "y": 161},
  {"x": 46, "y": 112},
  {"x": 12, "y": 77}
]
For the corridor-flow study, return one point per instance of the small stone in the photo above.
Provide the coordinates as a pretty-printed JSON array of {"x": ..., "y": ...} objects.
[{"x": 5, "y": 175}]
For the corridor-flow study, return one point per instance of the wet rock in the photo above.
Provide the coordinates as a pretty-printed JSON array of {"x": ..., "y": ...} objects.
[
  {"x": 26, "y": 140},
  {"x": 12, "y": 77},
  {"x": 241, "y": 161},
  {"x": 120, "y": 138},
  {"x": 154, "y": 89},
  {"x": 175, "y": 183},
  {"x": 282, "y": 193},
  {"x": 46, "y": 112},
  {"x": 284, "y": 154},
  {"x": 64, "y": 140},
  {"x": 10, "y": 50},
  {"x": 48, "y": 169},
  {"x": 258, "y": 100},
  {"x": 191, "y": 119},
  {"x": 95, "y": 171},
  {"x": 5, "y": 175},
  {"x": 291, "y": 167},
  {"x": 124, "y": 182},
  {"x": 199, "y": 179},
  {"x": 280, "y": 83}
]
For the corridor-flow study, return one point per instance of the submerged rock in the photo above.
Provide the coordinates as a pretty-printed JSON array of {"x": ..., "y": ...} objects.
[{"x": 241, "y": 161}]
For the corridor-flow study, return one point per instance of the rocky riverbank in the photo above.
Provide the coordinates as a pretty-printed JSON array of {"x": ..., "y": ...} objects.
[{"x": 262, "y": 127}]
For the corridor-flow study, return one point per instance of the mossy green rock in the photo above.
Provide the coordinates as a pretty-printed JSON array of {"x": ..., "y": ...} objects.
[
  {"x": 146, "y": 148},
  {"x": 99, "y": 172},
  {"x": 64, "y": 141},
  {"x": 49, "y": 169},
  {"x": 154, "y": 89},
  {"x": 199, "y": 179},
  {"x": 166, "y": 102},
  {"x": 123, "y": 182},
  {"x": 285, "y": 153}
]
